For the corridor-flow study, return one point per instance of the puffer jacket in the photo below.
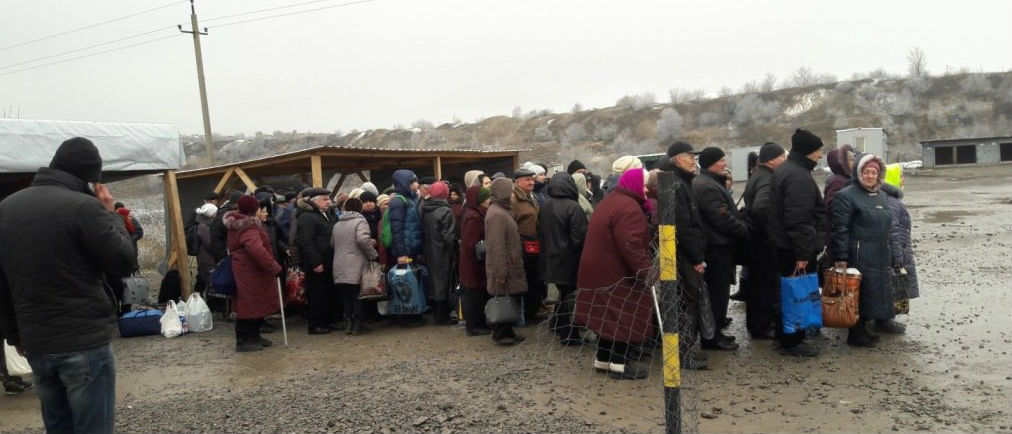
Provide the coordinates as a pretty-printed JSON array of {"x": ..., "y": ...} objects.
[
  {"x": 312, "y": 236},
  {"x": 440, "y": 245},
  {"x": 405, "y": 217},
  {"x": 59, "y": 243},
  {"x": 901, "y": 250},
  {"x": 799, "y": 215},
  {"x": 353, "y": 248},
  {"x": 759, "y": 203},
  {"x": 504, "y": 262},
  {"x": 562, "y": 228},
  {"x": 720, "y": 217}
]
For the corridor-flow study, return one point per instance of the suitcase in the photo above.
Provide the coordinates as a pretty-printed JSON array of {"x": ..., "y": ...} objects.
[
  {"x": 406, "y": 290},
  {"x": 140, "y": 322}
]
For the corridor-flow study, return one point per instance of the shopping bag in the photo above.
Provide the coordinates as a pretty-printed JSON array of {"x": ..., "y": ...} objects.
[
  {"x": 172, "y": 321},
  {"x": 140, "y": 322},
  {"x": 16, "y": 365},
  {"x": 198, "y": 314},
  {"x": 295, "y": 287},
  {"x": 135, "y": 290},
  {"x": 373, "y": 288},
  {"x": 800, "y": 303},
  {"x": 900, "y": 284},
  {"x": 222, "y": 279},
  {"x": 707, "y": 323},
  {"x": 406, "y": 290},
  {"x": 840, "y": 294}
]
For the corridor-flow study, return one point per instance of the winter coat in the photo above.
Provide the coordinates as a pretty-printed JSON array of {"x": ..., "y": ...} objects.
[
  {"x": 720, "y": 216},
  {"x": 611, "y": 182},
  {"x": 458, "y": 214},
  {"x": 440, "y": 245},
  {"x": 353, "y": 248},
  {"x": 614, "y": 300},
  {"x": 254, "y": 266},
  {"x": 504, "y": 261},
  {"x": 405, "y": 220},
  {"x": 312, "y": 236},
  {"x": 283, "y": 222},
  {"x": 219, "y": 233},
  {"x": 205, "y": 256},
  {"x": 472, "y": 230},
  {"x": 839, "y": 175},
  {"x": 585, "y": 195},
  {"x": 374, "y": 219},
  {"x": 539, "y": 193},
  {"x": 861, "y": 224},
  {"x": 690, "y": 235},
  {"x": 525, "y": 211},
  {"x": 901, "y": 250},
  {"x": 799, "y": 215},
  {"x": 59, "y": 242},
  {"x": 758, "y": 200},
  {"x": 562, "y": 228}
]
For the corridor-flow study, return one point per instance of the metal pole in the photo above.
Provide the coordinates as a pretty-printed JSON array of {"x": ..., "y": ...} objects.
[
  {"x": 284, "y": 325},
  {"x": 200, "y": 81},
  {"x": 668, "y": 302}
]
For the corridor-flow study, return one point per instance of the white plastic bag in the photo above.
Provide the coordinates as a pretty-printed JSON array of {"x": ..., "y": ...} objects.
[
  {"x": 198, "y": 315},
  {"x": 172, "y": 322},
  {"x": 16, "y": 364}
]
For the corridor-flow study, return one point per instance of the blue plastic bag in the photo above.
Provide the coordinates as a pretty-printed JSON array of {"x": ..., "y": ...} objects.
[
  {"x": 222, "y": 279},
  {"x": 406, "y": 290},
  {"x": 800, "y": 303}
]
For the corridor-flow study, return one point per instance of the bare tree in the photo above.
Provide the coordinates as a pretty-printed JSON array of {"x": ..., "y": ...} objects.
[
  {"x": 917, "y": 62},
  {"x": 577, "y": 108},
  {"x": 769, "y": 83},
  {"x": 803, "y": 77},
  {"x": 750, "y": 87}
]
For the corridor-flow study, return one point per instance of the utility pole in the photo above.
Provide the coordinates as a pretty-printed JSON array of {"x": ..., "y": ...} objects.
[{"x": 200, "y": 79}]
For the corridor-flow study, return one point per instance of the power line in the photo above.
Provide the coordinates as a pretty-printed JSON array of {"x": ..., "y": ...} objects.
[
  {"x": 89, "y": 26},
  {"x": 263, "y": 10},
  {"x": 88, "y": 55},
  {"x": 295, "y": 13},
  {"x": 84, "y": 48}
]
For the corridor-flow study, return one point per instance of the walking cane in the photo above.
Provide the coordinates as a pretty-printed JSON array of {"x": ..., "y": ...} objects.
[{"x": 284, "y": 327}]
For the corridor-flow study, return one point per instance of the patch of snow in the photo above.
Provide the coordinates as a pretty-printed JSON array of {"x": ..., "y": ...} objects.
[{"x": 805, "y": 102}]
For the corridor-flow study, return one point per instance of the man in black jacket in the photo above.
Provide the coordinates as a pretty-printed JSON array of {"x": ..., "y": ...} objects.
[
  {"x": 315, "y": 227},
  {"x": 761, "y": 283},
  {"x": 725, "y": 229},
  {"x": 562, "y": 229},
  {"x": 60, "y": 238},
  {"x": 690, "y": 253},
  {"x": 799, "y": 222}
]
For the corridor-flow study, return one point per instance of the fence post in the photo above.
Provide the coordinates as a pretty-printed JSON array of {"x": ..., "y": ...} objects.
[{"x": 668, "y": 302}]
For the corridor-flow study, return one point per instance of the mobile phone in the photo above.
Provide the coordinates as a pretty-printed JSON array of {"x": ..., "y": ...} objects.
[{"x": 91, "y": 188}]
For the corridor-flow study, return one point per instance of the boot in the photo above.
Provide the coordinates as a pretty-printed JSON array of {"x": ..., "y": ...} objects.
[
  {"x": 889, "y": 326},
  {"x": 441, "y": 313},
  {"x": 858, "y": 336},
  {"x": 14, "y": 385},
  {"x": 478, "y": 331},
  {"x": 358, "y": 327},
  {"x": 350, "y": 327},
  {"x": 630, "y": 370},
  {"x": 803, "y": 349}
]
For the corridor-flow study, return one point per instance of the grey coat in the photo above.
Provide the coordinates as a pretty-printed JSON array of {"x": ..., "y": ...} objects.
[
  {"x": 205, "y": 256},
  {"x": 861, "y": 224},
  {"x": 900, "y": 249},
  {"x": 440, "y": 235},
  {"x": 353, "y": 248}
]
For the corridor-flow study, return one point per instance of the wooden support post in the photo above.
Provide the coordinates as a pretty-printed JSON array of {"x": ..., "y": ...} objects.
[
  {"x": 224, "y": 180},
  {"x": 362, "y": 177},
  {"x": 437, "y": 168},
  {"x": 340, "y": 182},
  {"x": 177, "y": 240},
  {"x": 316, "y": 162},
  {"x": 250, "y": 185},
  {"x": 516, "y": 163}
]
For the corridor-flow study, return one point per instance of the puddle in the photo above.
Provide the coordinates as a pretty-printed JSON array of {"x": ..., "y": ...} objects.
[{"x": 946, "y": 216}]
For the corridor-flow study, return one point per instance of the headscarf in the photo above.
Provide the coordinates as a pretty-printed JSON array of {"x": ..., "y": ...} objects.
[
  {"x": 473, "y": 199},
  {"x": 471, "y": 178},
  {"x": 864, "y": 160},
  {"x": 382, "y": 199},
  {"x": 502, "y": 191},
  {"x": 581, "y": 186},
  {"x": 626, "y": 162},
  {"x": 633, "y": 181}
]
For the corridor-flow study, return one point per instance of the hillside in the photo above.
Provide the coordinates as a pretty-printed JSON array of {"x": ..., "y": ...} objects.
[{"x": 911, "y": 109}]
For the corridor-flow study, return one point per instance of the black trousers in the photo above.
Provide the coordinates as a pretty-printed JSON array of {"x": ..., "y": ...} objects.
[
  {"x": 474, "y": 308},
  {"x": 536, "y": 289},
  {"x": 562, "y": 318},
  {"x": 719, "y": 275},
  {"x": 322, "y": 297},
  {"x": 349, "y": 299},
  {"x": 762, "y": 289},
  {"x": 248, "y": 330},
  {"x": 613, "y": 352},
  {"x": 786, "y": 263}
]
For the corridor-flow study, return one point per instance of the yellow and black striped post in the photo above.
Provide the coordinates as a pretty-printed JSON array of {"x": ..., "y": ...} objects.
[{"x": 668, "y": 301}]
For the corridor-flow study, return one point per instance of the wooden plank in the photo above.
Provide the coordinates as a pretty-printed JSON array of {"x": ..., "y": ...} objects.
[
  {"x": 178, "y": 241},
  {"x": 250, "y": 185},
  {"x": 316, "y": 167},
  {"x": 340, "y": 182},
  {"x": 172, "y": 260},
  {"x": 361, "y": 176},
  {"x": 437, "y": 167},
  {"x": 224, "y": 180}
]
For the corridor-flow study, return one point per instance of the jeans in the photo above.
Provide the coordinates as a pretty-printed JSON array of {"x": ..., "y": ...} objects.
[{"x": 77, "y": 390}]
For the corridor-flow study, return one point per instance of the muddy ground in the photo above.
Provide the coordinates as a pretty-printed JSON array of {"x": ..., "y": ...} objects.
[{"x": 951, "y": 372}]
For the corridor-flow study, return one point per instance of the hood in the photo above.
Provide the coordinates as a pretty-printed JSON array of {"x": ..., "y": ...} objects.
[
  {"x": 47, "y": 176},
  {"x": 350, "y": 215},
  {"x": 581, "y": 183},
  {"x": 502, "y": 191},
  {"x": 402, "y": 182},
  {"x": 237, "y": 221},
  {"x": 471, "y": 198},
  {"x": 431, "y": 204},
  {"x": 471, "y": 178},
  {"x": 891, "y": 190},
  {"x": 837, "y": 163},
  {"x": 633, "y": 181},
  {"x": 563, "y": 186},
  {"x": 862, "y": 160}
]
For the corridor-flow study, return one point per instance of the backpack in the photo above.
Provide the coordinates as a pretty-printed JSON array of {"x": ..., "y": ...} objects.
[
  {"x": 192, "y": 239},
  {"x": 386, "y": 232}
]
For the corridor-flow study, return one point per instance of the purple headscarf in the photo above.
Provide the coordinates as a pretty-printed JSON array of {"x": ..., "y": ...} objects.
[{"x": 633, "y": 180}]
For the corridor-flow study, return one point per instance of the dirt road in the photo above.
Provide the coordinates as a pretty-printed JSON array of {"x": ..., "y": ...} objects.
[{"x": 951, "y": 372}]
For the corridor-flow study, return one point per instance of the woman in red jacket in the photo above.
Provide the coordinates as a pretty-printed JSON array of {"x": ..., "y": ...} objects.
[
  {"x": 614, "y": 298},
  {"x": 256, "y": 271},
  {"x": 472, "y": 270}
]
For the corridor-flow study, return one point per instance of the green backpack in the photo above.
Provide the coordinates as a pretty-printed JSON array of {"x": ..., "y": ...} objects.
[{"x": 386, "y": 233}]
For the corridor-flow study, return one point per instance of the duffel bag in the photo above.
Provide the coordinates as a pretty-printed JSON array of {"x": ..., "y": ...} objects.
[{"x": 140, "y": 322}]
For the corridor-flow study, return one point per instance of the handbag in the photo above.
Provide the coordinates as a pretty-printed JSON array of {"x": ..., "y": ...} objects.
[
  {"x": 222, "y": 279},
  {"x": 901, "y": 284},
  {"x": 840, "y": 296},
  {"x": 502, "y": 309},
  {"x": 479, "y": 250},
  {"x": 135, "y": 289},
  {"x": 532, "y": 247},
  {"x": 800, "y": 303},
  {"x": 373, "y": 287},
  {"x": 295, "y": 287}
]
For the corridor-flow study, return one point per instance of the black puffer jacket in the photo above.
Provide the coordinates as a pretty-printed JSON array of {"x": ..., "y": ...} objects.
[
  {"x": 219, "y": 233},
  {"x": 59, "y": 243},
  {"x": 691, "y": 236},
  {"x": 759, "y": 203},
  {"x": 799, "y": 215},
  {"x": 720, "y": 217},
  {"x": 313, "y": 235},
  {"x": 562, "y": 228}
]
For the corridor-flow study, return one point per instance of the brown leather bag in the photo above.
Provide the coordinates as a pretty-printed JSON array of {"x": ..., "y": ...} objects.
[{"x": 840, "y": 297}]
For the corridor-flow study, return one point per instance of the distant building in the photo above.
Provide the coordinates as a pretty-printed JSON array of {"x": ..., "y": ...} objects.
[
  {"x": 739, "y": 161},
  {"x": 871, "y": 140},
  {"x": 965, "y": 152}
]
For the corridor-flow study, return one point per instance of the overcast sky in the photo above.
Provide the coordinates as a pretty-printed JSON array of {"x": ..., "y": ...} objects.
[{"x": 387, "y": 62}]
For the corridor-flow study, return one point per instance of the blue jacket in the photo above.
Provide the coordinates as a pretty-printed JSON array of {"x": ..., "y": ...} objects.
[{"x": 405, "y": 221}]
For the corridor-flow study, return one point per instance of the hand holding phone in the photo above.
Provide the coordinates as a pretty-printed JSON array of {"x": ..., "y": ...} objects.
[{"x": 103, "y": 195}]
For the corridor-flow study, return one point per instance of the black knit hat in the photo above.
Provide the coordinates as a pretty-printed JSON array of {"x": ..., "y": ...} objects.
[
  {"x": 710, "y": 156},
  {"x": 366, "y": 196},
  {"x": 770, "y": 151},
  {"x": 575, "y": 166},
  {"x": 803, "y": 142},
  {"x": 79, "y": 157},
  {"x": 427, "y": 180}
]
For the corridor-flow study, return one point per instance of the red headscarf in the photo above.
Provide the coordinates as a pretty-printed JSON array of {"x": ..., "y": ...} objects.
[{"x": 125, "y": 213}]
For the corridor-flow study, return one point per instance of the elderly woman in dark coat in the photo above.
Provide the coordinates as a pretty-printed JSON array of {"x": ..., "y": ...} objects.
[
  {"x": 504, "y": 256},
  {"x": 901, "y": 250},
  {"x": 614, "y": 299},
  {"x": 562, "y": 227},
  {"x": 841, "y": 164},
  {"x": 255, "y": 270},
  {"x": 861, "y": 222},
  {"x": 440, "y": 234},
  {"x": 472, "y": 270}
]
